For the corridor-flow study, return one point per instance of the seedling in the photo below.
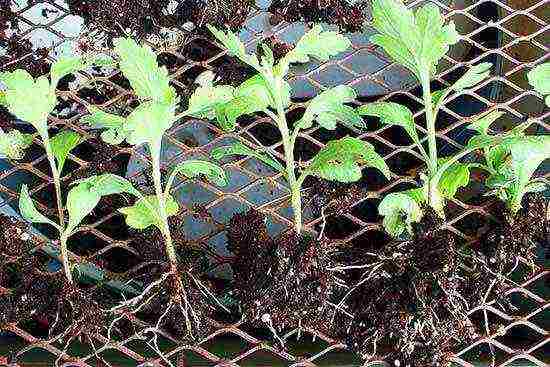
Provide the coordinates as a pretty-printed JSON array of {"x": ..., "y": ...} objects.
[
  {"x": 418, "y": 41},
  {"x": 512, "y": 164},
  {"x": 269, "y": 92},
  {"x": 147, "y": 125},
  {"x": 32, "y": 101}
]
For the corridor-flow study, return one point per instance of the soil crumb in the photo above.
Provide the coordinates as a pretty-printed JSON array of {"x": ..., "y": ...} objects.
[{"x": 350, "y": 18}]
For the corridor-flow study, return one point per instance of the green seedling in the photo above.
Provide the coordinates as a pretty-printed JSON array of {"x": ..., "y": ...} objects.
[
  {"x": 147, "y": 125},
  {"x": 418, "y": 40},
  {"x": 32, "y": 100},
  {"x": 269, "y": 92},
  {"x": 512, "y": 163}
]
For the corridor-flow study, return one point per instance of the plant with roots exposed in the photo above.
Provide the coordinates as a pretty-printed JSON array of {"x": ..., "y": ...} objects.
[
  {"x": 147, "y": 125},
  {"x": 269, "y": 92}
]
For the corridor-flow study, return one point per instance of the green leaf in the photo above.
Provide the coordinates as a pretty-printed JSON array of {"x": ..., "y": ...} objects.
[
  {"x": 233, "y": 44},
  {"x": 539, "y": 78},
  {"x": 110, "y": 184},
  {"x": 453, "y": 178},
  {"x": 28, "y": 99},
  {"x": 65, "y": 66},
  {"x": 14, "y": 143},
  {"x": 483, "y": 123},
  {"x": 139, "y": 65},
  {"x": 400, "y": 210},
  {"x": 207, "y": 97},
  {"x": 29, "y": 211},
  {"x": 148, "y": 123},
  {"x": 115, "y": 125},
  {"x": 319, "y": 44},
  {"x": 85, "y": 196},
  {"x": 392, "y": 113},
  {"x": 417, "y": 41},
  {"x": 62, "y": 144},
  {"x": 241, "y": 149},
  {"x": 139, "y": 216},
  {"x": 472, "y": 77},
  {"x": 339, "y": 160},
  {"x": 81, "y": 200},
  {"x": 527, "y": 154},
  {"x": 195, "y": 168},
  {"x": 328, "y": 109}
]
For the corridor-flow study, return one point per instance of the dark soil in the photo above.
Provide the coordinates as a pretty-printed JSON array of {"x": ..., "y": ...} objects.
[
  {"x": 279, "y": 282},
  {"x": 15, "y": 238},
  {"x": 348, "y": 17},
  {"x": 20, "y": 55},
  {"x": 332, "y": 197},
  {"x": 143, "y": 17},
  {"x": 510, "y": 238},
  {"x": 410, "y": 283}
]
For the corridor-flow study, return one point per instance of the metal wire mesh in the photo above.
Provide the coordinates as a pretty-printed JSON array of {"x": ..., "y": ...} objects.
[{"x": 522, "y": 31}]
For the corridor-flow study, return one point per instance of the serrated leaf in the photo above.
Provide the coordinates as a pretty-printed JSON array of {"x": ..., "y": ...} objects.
[
  {"x": 28, "y": 99},
  {"x": 453, "y": 178},
  {"x": 29, "y": 211},
  {"x": 484, "y": 122},
  {"x": 400, "y": 210},
  {"x": 539, "y": 78},
  {"x": 62, "y": 144},
  {"x": 115, "y": 133},
  {"x": 241, "y": 149},
  {"x": 139, "y": 65},
  {"x": 235, "y": 47},
  {"x": 148, "y": 123},
  {"x": 139, "y": 216},
  {"x": 319, "y": 44},
  {"x": 207, "y": 98},
  {"x": 65, "y": 66},
  {"x": 196, "y": 168},
  {"x": 340, "y": 160},
  {"x": 392, "y": 113},
  {"x": 472, "y": 77},
  {"x": 416, "y": 40},
  {"x": 14, "y": 143},
  {"x": 328, "y": 109},
  {"x": 110, "y": 184},
  {"x": 527, "y": 154}
]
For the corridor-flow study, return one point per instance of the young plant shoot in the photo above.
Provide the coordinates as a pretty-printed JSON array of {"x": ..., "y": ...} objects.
[
  {"x": 512, "y": 163},
  {"x": 269, "y": 92},
  {"x": 32, "y": 101},
  {"x": 418, "y": 40},
  {"x": 147, "y": 125}
]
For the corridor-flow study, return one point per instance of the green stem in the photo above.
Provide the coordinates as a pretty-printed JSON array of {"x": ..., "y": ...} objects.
[
  {"x": 288, "y": 145},
  {"x": 434, "y": 198},
  {"x": 64, "y": 253},
  {"x": 56, "y": 179},
  {"x": 170, "y": 250}
]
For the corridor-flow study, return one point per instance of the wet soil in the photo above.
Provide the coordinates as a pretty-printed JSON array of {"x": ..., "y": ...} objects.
[
  {"x": 15, "y": 238},
  {"x": 281, "y": 282},
  {"x": 348, "y": 17}
]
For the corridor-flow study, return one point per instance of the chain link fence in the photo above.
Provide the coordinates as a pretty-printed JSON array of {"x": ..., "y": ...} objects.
[{"x": 513, "y": 35}]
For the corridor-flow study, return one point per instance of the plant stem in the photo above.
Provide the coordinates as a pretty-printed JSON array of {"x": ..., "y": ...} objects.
[
  {"x": 434, "y": 198},
  {"x": 155, "y": 157},
  {"x": 288, "y": 145},
  {"x": 56, "y": 179},
  {"x": 64, "y": 253}
]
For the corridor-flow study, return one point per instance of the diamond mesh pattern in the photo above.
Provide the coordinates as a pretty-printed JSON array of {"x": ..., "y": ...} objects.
[{"x": 522, "y": 30}]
